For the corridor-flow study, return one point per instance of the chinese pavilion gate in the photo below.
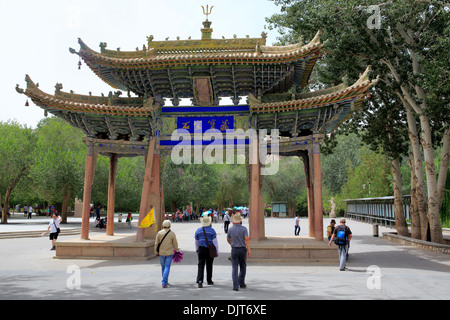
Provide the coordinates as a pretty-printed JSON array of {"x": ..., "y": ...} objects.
[{"x": 205, "y": 70}]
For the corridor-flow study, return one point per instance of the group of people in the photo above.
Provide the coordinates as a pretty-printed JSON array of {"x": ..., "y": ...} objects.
[{"x": 205, "y": 237}]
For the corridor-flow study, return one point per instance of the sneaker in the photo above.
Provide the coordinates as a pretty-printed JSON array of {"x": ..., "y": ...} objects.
[
  {"x": 53, "y": 248},
  {"x": 200, "y": 285},
  {"x": 243, "y": 286},
  {"x": 210, "y": 283},
  {"x": 165, "y": 285}
]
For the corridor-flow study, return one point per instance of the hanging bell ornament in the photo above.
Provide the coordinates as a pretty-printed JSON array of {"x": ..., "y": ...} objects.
[
  {"x": 79, "y": 65},
  {"x": 27, "y": 104}
]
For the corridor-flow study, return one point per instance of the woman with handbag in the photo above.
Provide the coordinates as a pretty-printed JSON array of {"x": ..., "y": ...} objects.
[
  {"x": 165, "y": 244},
  {"x": 207, "y": 249}
]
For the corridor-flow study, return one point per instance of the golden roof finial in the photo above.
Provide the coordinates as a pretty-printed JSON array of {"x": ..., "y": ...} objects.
[{"x": 208, "y": 11}]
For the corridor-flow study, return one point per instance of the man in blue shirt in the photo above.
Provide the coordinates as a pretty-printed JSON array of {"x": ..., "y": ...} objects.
[
  {"x": 237, "y": 237},
  {"x": 201, "y": 246}
]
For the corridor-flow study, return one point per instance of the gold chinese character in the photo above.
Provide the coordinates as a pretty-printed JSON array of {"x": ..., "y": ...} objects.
[
  {"x": 186, "y": 125},
  {"x": 212, "y": 123},
  {"x": 224, "y": 125}
]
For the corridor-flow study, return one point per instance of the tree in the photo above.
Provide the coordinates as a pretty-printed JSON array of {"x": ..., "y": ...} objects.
[
  {"x": 232, "y": 185},
  {"x": 175, "y": 190},
  {"x": 335, "y": 163},
  {"x": 370, "y": 178},
  {"x": 58, "y": 174},
  {"x": 286, "y": 184},
  {"x": 17, "y": 144},
  {"x": 408, "y": 50}
]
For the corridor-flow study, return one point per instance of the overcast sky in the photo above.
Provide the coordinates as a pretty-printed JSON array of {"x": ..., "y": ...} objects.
[{"x": 36, "y": 36}]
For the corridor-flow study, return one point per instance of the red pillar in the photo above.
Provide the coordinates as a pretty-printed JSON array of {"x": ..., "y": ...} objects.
[
  {"x": 256, "y": 203},
  {"x": 151, "y": 194},
  {"x": 91, "y": 160},
  {"x": 318, "y": 215},
  {"x": 111, "y": 194},
  {"x": 307, "y": 163}
]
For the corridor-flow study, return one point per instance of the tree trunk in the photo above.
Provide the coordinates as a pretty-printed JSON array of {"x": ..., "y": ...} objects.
[
  {"x": 10, "y": 189},
  {"x": 400, "y": 222},
  {"x": 6, "y": 205},
  {"x": 433, "y": 197},
  {"x": 413, "y": 212},
  {"x": 173, "y": 208},
  {"x": 65, "y": 205},
  {"x": 419, "y": 178},
  {"x": 292, "y": 208}
]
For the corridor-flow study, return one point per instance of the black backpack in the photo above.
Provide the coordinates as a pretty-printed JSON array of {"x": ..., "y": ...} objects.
[{"x": 341, "y": 236}]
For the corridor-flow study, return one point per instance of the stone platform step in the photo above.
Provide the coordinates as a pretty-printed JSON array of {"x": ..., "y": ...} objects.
[
  {"x": 293, "y": 250},
  {"x": 36, "y": 233},
  {"x": 103, "y": 247}
]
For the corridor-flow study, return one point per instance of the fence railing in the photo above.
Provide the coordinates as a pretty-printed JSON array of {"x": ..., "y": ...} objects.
[{"x": 376, "y": 210}]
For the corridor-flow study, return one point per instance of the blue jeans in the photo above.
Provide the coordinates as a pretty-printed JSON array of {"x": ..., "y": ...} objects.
[{"x": 165, "y": 261}]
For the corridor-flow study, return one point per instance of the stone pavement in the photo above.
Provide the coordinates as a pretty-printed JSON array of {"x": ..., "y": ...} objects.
[{"x": 28, "y": 270}]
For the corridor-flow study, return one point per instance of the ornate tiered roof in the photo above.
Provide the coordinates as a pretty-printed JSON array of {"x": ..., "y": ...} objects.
[
  {"x": 110, "y": 117},
  {"x": 233, "y": 67},
  {"x": 204, "y": 70},
  {"x": 318, "y": 111}
]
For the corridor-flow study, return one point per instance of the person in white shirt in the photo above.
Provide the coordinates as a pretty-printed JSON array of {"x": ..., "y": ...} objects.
[
  {"x": 53, "y": 228},
  {"x": 297, "y": 225},
  {"x": 226, "y": 221}
]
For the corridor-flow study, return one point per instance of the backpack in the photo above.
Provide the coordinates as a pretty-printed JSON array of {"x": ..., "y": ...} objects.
[{"x": 341, "y": 239}]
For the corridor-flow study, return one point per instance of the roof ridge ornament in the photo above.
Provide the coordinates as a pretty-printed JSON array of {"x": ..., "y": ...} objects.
[
  {"x": 208, "y": 11},
  {"x": 207, "y": 30}
]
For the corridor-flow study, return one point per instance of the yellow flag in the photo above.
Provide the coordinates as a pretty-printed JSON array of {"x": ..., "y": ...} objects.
[{"x": 148, "y": 220}]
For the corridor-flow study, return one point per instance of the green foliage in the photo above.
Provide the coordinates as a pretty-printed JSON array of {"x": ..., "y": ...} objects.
[
  {"x": 370, "y": 178},
  {"x": 287, "y": 183},
  {"x": 345, "y": 154},
  {"x": 60, "y": 155},
  {"x": 232, "y": 185},
  {"x": 17, "y": 145}
]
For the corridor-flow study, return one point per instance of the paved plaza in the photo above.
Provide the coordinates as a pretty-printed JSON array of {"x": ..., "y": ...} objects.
[{"x": 377, "y": 269}]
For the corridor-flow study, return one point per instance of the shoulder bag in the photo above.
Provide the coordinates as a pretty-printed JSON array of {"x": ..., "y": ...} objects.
[
  {"x": 212, "y": 247},
  {"x": 159, "y": 244}
]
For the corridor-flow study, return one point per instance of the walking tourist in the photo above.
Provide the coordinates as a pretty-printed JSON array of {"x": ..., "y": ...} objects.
[
  {"x": 237, "y": 237},
  {"x": 53, "y": 228},
  {"x": 205, "y": 236},
  {"x": 297, "y": 225},
  {"x": 165, "y": 243},
  {"x": 330, "y": 229},
  {"x": 129, "y": 218},
  {"x": 342, "y": 236},
  {"x": 97, "y": 212},
  {"x": 226, "y": 221}
]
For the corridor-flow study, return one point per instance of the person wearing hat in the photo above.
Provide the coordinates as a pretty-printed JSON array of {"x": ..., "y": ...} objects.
[
  {"x": 237, "y": 237},
  {"x": 204, "y": 237},
  {"x": 165, "y": 243},
  {"x": 330, "y": 229},
  {"x": 343, "y": 235},
  {"x": 226, "y": 221}
]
